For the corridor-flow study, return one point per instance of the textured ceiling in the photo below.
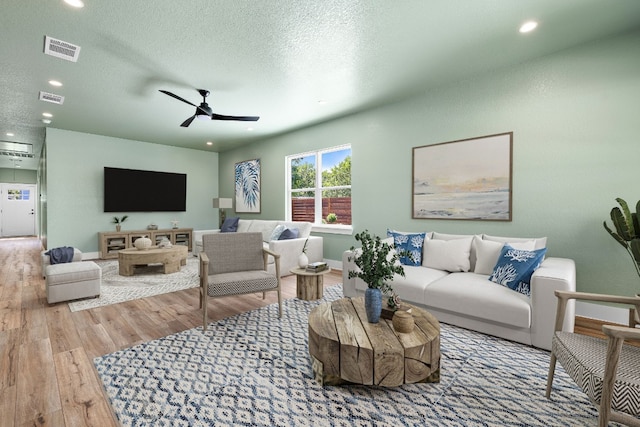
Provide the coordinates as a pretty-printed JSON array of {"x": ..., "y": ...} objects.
[{"x": 275, "y": 59}]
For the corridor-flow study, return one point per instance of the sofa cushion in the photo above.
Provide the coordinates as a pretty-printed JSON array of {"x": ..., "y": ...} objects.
[
  {"x": 472, "y": 254},
  {"x": 473, "y": 295},
  {"x": 275, "y": 235},
  {"x": 411, "y": 287},
  {"x": 289, "y": 233},
  {"x": 447, "y": 255},
  {"x": 411, "y": 243},
  {"x": 230, "y": 225},
  {"x": 263, "y": 226},
  {"x": 243, "y": 225},
  {"x": 488, "y": 252},
  {"x": 515, "y": 267},
  {"x": 541, "y": 242},
  {"x": 304, "y": 228}
]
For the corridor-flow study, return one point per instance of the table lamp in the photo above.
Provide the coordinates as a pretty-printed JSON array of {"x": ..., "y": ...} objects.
[{"x": 222, "y": 204}]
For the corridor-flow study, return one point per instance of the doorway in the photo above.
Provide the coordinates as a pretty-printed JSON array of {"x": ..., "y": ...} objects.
[{"x": 18, "y": 207}]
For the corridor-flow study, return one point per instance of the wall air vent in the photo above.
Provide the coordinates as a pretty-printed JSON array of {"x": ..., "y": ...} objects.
[
  {"x": 61, "y": 49},
  {"x": 51, "y": 97}
]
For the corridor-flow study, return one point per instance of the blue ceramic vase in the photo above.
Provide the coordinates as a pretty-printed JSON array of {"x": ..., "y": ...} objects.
[{"x": 373, "y": 304}]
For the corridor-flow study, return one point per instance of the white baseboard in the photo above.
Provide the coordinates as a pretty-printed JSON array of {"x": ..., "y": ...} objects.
[
  {"x": 335, "y": 265},
  {"x": 602, "y": 312}
]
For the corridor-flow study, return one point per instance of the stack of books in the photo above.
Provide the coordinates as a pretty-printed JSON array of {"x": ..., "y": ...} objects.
[{"x": 316, "y": 267}]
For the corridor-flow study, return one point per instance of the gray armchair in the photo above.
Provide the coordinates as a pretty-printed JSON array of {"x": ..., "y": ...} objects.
[
  {"x": 607, "y": 370},
  {"x": 234, "y": 264}
]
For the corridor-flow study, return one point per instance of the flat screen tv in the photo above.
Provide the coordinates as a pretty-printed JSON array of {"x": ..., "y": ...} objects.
[{"x": 131, "y": 190}]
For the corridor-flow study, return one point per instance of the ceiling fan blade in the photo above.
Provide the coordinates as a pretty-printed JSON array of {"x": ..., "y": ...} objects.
[
  {"x": 173, "y": 95},
  {"x": 215, "y": 116},
  {"x": 187, "y": 122}
]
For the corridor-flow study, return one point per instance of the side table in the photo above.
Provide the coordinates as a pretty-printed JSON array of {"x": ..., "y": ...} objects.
[{"x": 309, "y": 285}]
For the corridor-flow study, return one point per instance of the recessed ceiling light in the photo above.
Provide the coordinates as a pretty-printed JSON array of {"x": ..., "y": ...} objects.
[
  {"x": 75, "y": 3},
  {"x": 55, "y": 83},
  {"x": 249, "y": 129},
  {"x": 322, "y": 101},
  {"x": 528, "y": 26},
  {"x": 209, "y": 143},
  {"x": 10, "y": 134},
  {"x": 47, "y": 114},
  {"x": 46, "y": 121}
]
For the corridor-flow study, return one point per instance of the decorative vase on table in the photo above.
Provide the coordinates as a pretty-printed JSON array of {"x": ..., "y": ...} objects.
[
  {"x": 118, "y": 227},
  {"x": 303, "y": 260},
  {"x": 373, "y": 304},
  {"x": 142, "y": 243}
]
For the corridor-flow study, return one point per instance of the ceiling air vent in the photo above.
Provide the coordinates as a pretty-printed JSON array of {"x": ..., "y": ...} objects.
[
  {"x": 61, "y": 49},
  {"x": 51, "y": 97}
]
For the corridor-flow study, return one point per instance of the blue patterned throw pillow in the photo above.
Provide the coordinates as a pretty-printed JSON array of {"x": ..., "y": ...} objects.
[
  {"x": 411, "y": 243},
  {"x": 515, "y": 267}
]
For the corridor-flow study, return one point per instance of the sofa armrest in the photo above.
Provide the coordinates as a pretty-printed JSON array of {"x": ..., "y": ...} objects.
[
  {"x": 289, "y": 251},
  {"x": 554, "y": 274},
  {"x": 197, "y": 239}
]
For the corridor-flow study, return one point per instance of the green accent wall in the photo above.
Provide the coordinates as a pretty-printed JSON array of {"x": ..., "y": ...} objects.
[
  {"x": 574, "y": 117},
  {"x": 74, "y": 191}
]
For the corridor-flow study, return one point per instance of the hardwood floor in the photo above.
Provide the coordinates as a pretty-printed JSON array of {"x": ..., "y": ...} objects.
[{"x": 47, "y": 377}]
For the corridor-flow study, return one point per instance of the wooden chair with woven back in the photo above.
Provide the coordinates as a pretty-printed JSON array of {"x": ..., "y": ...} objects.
[
  {"x": 235, "y": 264},
  {"x": 607, "y": 370}
]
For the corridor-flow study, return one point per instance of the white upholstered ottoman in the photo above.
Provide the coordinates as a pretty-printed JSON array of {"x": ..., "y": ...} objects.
[
  {"x": 73, "y": 280},
  {"x": 46, "y": 260}
]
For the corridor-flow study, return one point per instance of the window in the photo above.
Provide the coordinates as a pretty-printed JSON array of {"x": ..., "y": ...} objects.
[{"x": 321, "y": 198}]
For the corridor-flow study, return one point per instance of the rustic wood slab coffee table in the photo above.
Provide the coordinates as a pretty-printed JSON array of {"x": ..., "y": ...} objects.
[
  {"x": 346, "y": 348},
  {"x": 171, "y": 258}
]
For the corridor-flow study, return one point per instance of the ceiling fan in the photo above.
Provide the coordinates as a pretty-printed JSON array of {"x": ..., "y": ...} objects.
[{"x": 204, "y": 112}]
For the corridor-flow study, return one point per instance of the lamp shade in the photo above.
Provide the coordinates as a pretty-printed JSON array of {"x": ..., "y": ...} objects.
[{"x": 222, "y": 203}]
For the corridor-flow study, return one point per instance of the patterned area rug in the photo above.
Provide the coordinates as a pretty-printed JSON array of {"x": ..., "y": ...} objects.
[
  {"x": 147, "y": 281},
  {"x": 254, "y": 370}
]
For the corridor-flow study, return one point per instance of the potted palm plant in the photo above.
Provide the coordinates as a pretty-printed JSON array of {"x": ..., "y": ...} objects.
[
  {"x": 627, "y": 233},
  {"x": 118, "y": 221},
  {"x": 377, "y": 263}
]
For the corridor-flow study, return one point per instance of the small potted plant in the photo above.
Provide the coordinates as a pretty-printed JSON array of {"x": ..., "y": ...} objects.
[
  {"x": 117, "y": 221},
  {"x": 377, "y": 263}
]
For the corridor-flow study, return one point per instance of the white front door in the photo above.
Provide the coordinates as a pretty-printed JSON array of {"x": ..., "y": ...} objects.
[{"x": 18, "y": 209}]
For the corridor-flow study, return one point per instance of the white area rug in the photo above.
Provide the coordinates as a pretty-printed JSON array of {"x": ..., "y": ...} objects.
[
  {"x": 146, "y": 282},
  {"x": 253, "y": 369}
]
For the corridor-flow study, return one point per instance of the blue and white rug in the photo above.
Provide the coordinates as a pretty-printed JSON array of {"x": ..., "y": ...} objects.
[{"x": 253, "y": 369}]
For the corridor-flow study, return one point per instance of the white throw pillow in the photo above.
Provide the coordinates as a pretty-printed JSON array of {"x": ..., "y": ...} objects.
[
  {"x": 541, "y": 242},
  {"x": 275, "y": 235},
  {"x": 488, "y": 252},
  {"x": 447, "y": 255}
]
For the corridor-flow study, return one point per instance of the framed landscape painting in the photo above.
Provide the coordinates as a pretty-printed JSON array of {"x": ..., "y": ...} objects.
[
  {"x": 465, "y": 179},
  {"x": 248, "y": 186}
]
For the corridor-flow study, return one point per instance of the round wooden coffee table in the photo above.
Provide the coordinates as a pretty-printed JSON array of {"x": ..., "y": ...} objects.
[
  {"x": 346, "y": 348},
  {"x": 171, "y": 258}
]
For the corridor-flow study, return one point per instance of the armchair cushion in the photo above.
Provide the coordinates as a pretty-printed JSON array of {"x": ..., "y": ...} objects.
[
  {"x": 583, "y": 358},
  {"x": 241, "y": 282}
]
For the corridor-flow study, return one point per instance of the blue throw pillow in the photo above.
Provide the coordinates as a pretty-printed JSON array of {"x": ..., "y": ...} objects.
[
  {"x": 515, "y": 267},
  {"x": 411, "y": 243},
  {"x": 230, "y": 225},
  {"x": 289, "y": 233}
]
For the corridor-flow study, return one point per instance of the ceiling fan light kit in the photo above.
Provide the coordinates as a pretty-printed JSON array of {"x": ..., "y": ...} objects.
[{"x": 204, "y": 112}]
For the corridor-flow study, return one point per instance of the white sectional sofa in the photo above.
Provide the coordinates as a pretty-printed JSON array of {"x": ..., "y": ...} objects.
[
  {"x": 289, "y": 250},
  {"x": 466, "y": 297}
]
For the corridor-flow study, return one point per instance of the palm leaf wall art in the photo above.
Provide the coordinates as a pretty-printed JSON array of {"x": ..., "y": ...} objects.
[{"x": 247, "y": 180}]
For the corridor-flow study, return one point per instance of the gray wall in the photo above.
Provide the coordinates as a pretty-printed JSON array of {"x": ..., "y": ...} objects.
[
  {"x": 574, "y": 116},
  {"x": 74, "y": 176}
]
